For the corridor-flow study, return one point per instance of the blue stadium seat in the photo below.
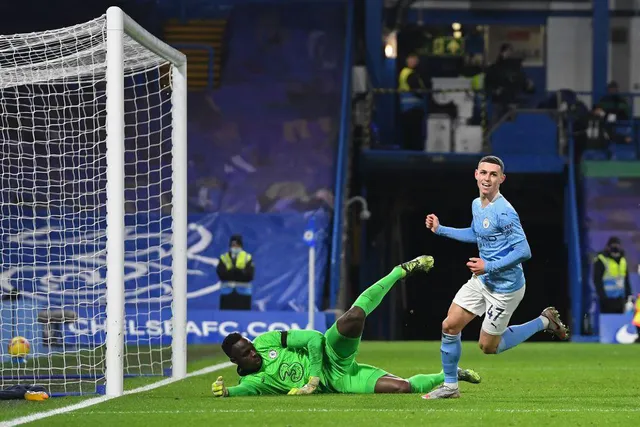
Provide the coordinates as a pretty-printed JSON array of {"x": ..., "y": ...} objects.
[
  {"x": 529, "y": 133},
  {"x": 595, "y": 155},
  {"x": 624, "y": 152}
]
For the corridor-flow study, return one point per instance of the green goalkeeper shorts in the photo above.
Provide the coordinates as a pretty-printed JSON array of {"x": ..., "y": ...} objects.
[{"x": 342, "y": 374}]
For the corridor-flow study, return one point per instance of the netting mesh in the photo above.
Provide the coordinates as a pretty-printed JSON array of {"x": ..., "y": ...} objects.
[
  {"x": 53, "y": 207},
  {"x": 75, "y": 53}
]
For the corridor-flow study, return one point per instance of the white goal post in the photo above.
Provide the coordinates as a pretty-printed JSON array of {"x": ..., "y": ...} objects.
[
  {"x": 93, "y": 206},
  {"x": 119, "y": 25}
]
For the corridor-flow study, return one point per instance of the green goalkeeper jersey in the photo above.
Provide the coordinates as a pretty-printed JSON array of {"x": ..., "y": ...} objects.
[{"x": 288, "y": 360}]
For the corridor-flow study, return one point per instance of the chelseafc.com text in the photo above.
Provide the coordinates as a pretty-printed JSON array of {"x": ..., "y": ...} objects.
[{"x": 158, "y": 328}]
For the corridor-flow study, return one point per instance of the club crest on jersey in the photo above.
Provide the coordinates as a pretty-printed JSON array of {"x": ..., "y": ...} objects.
[
  {"x": 273, "y": 354},
  {"x": 485, "y": 223}
]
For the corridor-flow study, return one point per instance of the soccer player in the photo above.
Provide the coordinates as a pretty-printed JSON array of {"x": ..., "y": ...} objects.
[
  {"x": 497, "y": 285},
  {"x": 299, "y": 362}
]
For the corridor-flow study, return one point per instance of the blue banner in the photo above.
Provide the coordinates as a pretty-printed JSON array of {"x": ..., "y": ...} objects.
[
  {"x": 58, "y": 267},
  {"x": 617, "y": 329},
  {"x": 203, "y": 326},
  {"x": 145, "y": 327},
  {"x": 61, "y": 263}
]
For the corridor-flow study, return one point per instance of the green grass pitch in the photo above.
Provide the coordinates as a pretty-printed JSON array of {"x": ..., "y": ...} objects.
[{"x": 549, "y": 384}]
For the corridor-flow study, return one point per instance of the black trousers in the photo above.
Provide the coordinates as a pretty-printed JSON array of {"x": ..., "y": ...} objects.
[
  {"x": 413, "y": 129},
  {"x": 235, "y": 301},
  {"x": 612, "y": 305}
]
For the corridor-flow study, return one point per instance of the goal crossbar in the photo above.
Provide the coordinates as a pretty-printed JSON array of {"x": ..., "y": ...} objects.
[{"x": 118, "y": 20}]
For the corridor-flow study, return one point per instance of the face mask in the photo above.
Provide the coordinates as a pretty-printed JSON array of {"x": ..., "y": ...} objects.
[{"x": 235, "y": 251}]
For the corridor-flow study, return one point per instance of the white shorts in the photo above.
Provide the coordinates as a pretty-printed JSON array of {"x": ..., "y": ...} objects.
[{"x": 475, "y": 297}]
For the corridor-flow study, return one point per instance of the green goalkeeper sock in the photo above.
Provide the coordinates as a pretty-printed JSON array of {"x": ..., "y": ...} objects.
[
  {"x": 424, "y": 383},
  {"x": 372, "y": 296}
]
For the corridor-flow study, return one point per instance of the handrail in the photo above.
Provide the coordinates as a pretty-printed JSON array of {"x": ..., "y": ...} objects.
[
  {"x": 575, "y": 259},
  {"x": 200, "y": 46},
  {"x": 629, "y": 95},
  {"x": 341, "y": 160},
  {"x": 631, "y": 122},
  {"x": 588, "y": 92},
  {"x": 485, "y": 102}
]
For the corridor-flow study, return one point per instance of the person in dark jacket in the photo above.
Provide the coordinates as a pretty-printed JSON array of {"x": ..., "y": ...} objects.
[
  {"x": 614, "y": 105},
  {"x": 504, "y": 81},
  {"x": 413, "y": 104}
]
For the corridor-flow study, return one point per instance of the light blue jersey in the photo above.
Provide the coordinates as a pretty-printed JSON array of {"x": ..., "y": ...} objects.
[{"x": 501, "y": 241}]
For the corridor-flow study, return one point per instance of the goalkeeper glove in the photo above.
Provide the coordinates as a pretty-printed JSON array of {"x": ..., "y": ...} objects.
[
  {"x": 308, "y": 388},
  {"x": 36, "y": 395},
  {"x": 218, "y": 388}
]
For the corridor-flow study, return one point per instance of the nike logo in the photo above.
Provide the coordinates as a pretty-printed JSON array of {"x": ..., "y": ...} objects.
[
  {"x": 623, "y": 336},
  {"x": 494, "y": 325}
]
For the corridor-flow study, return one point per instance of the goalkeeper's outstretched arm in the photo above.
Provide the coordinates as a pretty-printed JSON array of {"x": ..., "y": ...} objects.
[
  {"x": 242, "y": 390},
  {"x": 220, "y": 390}
]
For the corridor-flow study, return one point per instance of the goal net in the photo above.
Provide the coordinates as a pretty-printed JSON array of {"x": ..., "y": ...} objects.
[{"x": 92, "y": 206}]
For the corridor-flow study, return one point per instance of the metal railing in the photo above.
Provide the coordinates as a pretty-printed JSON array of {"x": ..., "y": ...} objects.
[
  {"x": 344, "y": 144},
  {"x": 573, "y": 241},
  {"x": 624, "y": 127},
  {"x": 373, "y": 102},
  {"x": 630, "y": 96}
]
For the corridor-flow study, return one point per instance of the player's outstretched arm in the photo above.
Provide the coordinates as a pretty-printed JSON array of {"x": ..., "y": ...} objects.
[
  {"x": 461, "y": 234},
  {"x": 520, "y": 250},
  {"x": 220, "y": 390}
]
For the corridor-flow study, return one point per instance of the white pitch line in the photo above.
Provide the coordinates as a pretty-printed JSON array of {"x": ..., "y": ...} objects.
[
  {"x": 423, "y": 409},
  {"x": 97, "y": 400}
]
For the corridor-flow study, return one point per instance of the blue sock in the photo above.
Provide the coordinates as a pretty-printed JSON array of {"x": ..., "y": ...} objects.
[
  {"x": 514, "y": 335},
  {"x": 450, "y": 351}
]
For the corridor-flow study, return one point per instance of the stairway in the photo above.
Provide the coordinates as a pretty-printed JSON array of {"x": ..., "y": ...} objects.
[{"x": 197, "y": 39}]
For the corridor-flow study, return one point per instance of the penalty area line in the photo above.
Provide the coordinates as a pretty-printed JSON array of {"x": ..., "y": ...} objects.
[{"x": 97, "y": 400}]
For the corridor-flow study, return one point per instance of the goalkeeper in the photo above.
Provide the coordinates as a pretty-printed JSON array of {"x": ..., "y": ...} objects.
[{"x": 304, "y": 361}]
